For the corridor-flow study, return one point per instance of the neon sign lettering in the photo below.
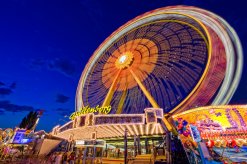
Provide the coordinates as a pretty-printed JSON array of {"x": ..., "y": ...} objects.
[{"x": 87, "y": 109}]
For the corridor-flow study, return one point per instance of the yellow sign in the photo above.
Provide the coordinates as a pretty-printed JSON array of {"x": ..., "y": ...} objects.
[{"x": 87, "y": 109}]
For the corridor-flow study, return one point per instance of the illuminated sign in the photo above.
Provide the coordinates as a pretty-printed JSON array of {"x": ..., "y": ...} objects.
[
  {"x": 99, "y": 143},
  {"x": 80, "y": 142},
  {"x": 21, "y": 136},
  {"x": 119, "y": 119},
  {"x": 87, "y": 109}
]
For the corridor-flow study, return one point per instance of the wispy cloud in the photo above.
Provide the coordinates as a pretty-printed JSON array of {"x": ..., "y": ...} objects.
[
  {"x": 1, "y": 84},
  {"x": 62, "y": 98},
  {"x": 5, "y": 91},
  {"x": 37, "y": 63},
  {"x": 2, "y": 112},
  {"x": 10, "y": 107},
  {"x": 61, "y": 65},
  {"x": 64, "y": 66},
  {"x": 64, "y": 111},
  {"x": 13, "y": 85}
]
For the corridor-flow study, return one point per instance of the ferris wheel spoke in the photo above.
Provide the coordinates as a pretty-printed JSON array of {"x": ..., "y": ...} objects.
[
  {"x": 150, "y": 99},
  {"x": 110, "y": 93},
  {"x": 144, "y": 90},
  {"x": 121, "y": 102}
]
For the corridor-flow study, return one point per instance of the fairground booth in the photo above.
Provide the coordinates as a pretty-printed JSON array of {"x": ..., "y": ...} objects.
[
  {"x": 216, "y": 133},
  {"x": 143, "y": 76},
  {"x": 19, "y": 144}
]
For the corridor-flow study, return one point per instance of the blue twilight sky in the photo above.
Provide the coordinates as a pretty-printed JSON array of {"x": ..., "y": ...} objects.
[{"x": 45, "y": 44}]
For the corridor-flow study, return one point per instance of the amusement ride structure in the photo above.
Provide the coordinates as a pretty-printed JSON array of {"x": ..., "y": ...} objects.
[
  {"x": 167, "y": 60},
  {"x": 173, "y": 58}
]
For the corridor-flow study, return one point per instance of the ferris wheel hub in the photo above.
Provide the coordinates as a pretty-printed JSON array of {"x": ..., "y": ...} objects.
[{"x": 124, "y": 60}]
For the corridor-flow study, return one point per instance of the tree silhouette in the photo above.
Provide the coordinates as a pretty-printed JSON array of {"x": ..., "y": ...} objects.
[{"x": 29, "y": 121}]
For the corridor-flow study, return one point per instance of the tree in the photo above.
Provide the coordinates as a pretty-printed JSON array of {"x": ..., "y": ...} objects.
[{"x": 29, "y": 121}]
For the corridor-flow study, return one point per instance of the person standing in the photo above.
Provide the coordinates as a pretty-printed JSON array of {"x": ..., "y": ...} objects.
[{"x": 72, "y": 158}]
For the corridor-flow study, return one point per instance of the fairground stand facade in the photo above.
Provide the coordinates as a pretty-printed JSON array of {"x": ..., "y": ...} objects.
[{"x": 106, "y": 134}]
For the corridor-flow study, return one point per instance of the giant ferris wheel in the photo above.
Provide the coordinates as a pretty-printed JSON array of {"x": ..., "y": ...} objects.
[{"x": 174, "y": 58}]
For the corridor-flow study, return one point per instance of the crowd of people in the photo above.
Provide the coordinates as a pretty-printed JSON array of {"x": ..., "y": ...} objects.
[
  {"x": 15, "y": 155},
  {"x": 63, "y": 158}
]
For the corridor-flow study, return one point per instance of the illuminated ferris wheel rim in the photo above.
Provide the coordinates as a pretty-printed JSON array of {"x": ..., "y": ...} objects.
[
  {"x": 231, "y": 79},
  {"x": 132, "y": 25}
]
